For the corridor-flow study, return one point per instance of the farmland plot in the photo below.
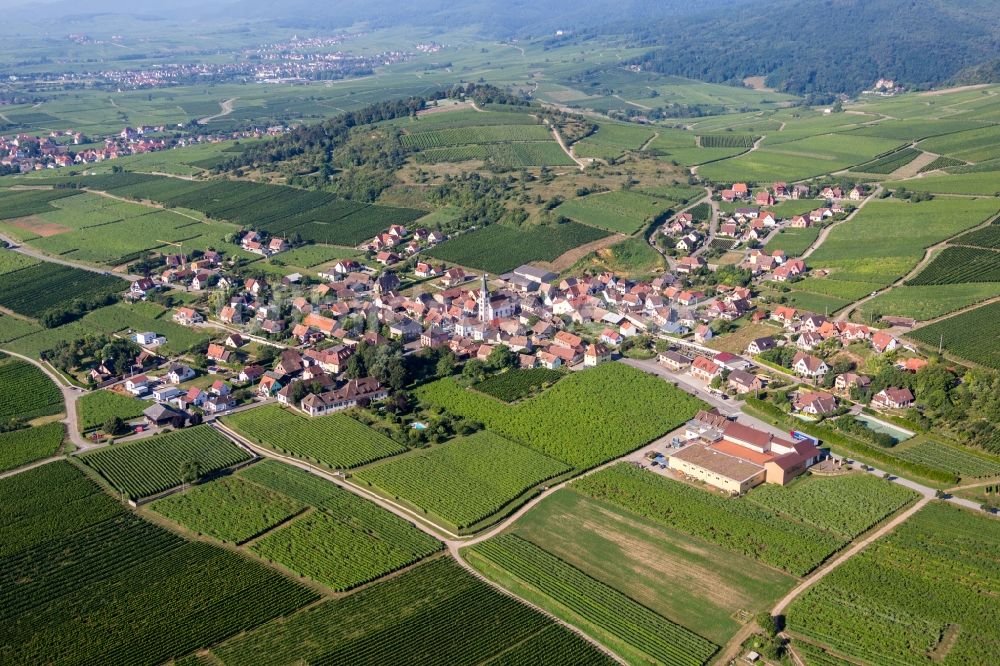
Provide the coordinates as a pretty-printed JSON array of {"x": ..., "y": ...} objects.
[
  {"x": 26, "y": 392},
  {"x": 19, "y": 447},
  {"x": 46, "y": 287},
  {"x": 963, "y": 336},
  {"x": 625, "y": 212}
]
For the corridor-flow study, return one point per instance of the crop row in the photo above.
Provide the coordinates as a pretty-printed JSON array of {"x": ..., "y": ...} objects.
[
  {"x": 890, "y": 162},
  {"x": 96, "y": 407},
  {"x": 19, "y": 447},
  {"x": 513, "y": 385},
  {"x": 26, "y": 392},
  {"x": 955, "y": 265},
  {"x": 954, "y": 460},
  {"x": 35, "y": 290},
  {"x": 597, "y": 603},
  {"x": 465, "y": 480},
  {"x": 149, "y": 466},
  {"x": 336, "y": 441},
  {"x": 14, "y": 261},
  {"x": 458, "y": 136},
  {"x": 21, "y": 203},
  {"x": 740, "y": 526},
  {"x": 987, "y": 237},
  {"x": 963, "y": 335},
  {"x": 941, "y": 163},
  {"x": 727, "y": 140}
]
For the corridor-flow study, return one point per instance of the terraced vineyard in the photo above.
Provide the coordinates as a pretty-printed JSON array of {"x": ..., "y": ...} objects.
[
  {"x": 19, "y": 447},
  {"x": 411, "y": 618},
  {"x": 336, "y": 441},
  {"x": 516, "y": 384},
  {"x": 962, "y": 335},
  {"x": 598, "y": 604},
  {"x": 459, "y": 136},
  {"x": 465, "y": 480},
  {"x": 26, "y": 392},
  {"x": 962, "y": 463},
  {"x": 918, "y": 591},
  {"x": 727, "y": 140},
  {"x": 148, "y": 466},
  {"x": 957, "y": 265}
]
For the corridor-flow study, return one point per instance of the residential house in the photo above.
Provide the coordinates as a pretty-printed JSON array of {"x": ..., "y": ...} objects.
[
  {"x": 807, "y": 365},
  {"x": 815, "y": 403},
  {"x": 705, "y": 369},
  {"x": 595, "y": 354},
  {"x": 893, "y": 398},
  {"x": 674, "y": 360},
  {"x": 744, "y": 382},
  {"x": 884, "y": 342},
  {"x": 761, "y": 345},
  {"x": 187, "y": 316}
]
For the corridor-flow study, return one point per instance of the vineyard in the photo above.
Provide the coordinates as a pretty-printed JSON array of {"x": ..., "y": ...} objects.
[
  {"x": 846, "y": 506},
  {"x": 22, "y": 203},
  {"x": 727, "y": 140},
  {"x": 96, "y": 407},
  {"x": 988, "y": 237},
  {"x": 890, "y": 162},
  {"x": 459, "y": 136},
  {"x": 13, "y": 261},
  {"x": 229, "y": 509},
  {"x": 738, "y": 525},
  {"x": 941, "y": 163},
  {"x": 26, "y": 392},
  {"x": 499, "y": 248},
  {"x": 466, "y": 480},
  {"x": 516, "y": 384},
  {"x": 412, "y": 618},
  {"x": 152, "y": 465},
  {"x": 343, "y": 541},
  {"x": 624, "y": 212},
  {"x": 598, "y": 604},
  {"x": 954, "y": 460},
  {"x": 955, "y": 265},
  {"x": 898, "y": 600},
  {"x": 963, "y": 335},
  {"x": 336, "y": 441},
  {"x": 585, "y": 419},
  {"x": 35, "y": 290},
  {"x": 19, "y": 447}
]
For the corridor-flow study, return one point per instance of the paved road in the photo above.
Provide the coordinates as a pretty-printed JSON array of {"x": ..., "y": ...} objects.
[
  {"x": 31, "y": 252},
  {"x": 826, "y": 230}
]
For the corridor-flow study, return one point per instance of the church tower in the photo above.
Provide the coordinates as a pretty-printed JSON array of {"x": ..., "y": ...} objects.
[{"x": 484, "y": 301}]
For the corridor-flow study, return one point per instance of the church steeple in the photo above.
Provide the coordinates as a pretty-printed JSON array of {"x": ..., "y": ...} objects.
[{"x": 484, "y": 300}]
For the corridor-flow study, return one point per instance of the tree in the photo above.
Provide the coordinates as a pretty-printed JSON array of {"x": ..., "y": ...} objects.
[
  {"x": 445, "y": 364},
  {"x": 474, "y": 370},
  {"x": 190, "y": 471},
  {"x": 768, "y": 623},
  {"x": 114, "y": 426},
  {"x": 501, "y": 358}
]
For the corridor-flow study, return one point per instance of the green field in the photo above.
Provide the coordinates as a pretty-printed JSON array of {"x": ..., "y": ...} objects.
[
  {"x": 988, "y": 237},
  {"x": 793, "y": 241},
  {"x": 780, "y": 538},
  {"x": 611, "y": 140},
  {"x": 96, "y": 407},
  {"x": 963, "y": 335},
  {"x": 516, "y": 384},
  {"x": 585, "y": 419},
  {"x": 152, "y": 465},
  {"x": 142, "y": 317},
  {"x": 459, "y": 136},
  {"x": 923, "y": 303},
  {"x": 597, "y": 604},
  {"x": 466, "y": 480},
  {"x": 499, "y": 248},
  {"x": 21, "y": 203},
  {"x": 890, "y": 162},
  {"x": 26, "y": 392},
  {"x": 683, "y": 578},
  {"x": 336, "y": 441},
  {"x": 411, "y": 618},
  {"x": 896, "y": 601},
  {"x": 229, "y": 509},
  {"x": 887, "y": 238},
  {"x": 19, "y": 447},
  {"x": 11, "y": 261},
  {"x": 974, "y": 145},
  {"x": 624, "y": 212},
  {"x": 85, "y": 581},
  {"x": 984, "y": 183},
  {"x": 958, "y": 265}
]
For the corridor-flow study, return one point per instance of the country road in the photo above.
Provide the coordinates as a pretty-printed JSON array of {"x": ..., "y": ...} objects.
[
  {"x": 227, "y": 108},
  {"x": 35, "y": 254},
  {"x": 562, "y": 144},
  {"x": 826, "y": 230}
]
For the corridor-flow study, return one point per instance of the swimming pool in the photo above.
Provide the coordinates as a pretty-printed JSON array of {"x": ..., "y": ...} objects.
[{"x": 898, "y": 434}]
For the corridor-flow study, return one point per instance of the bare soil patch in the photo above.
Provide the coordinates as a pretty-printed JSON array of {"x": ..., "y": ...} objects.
[
  {"x": 570, "y": 257},
  {"x": 38, "y": 226}
]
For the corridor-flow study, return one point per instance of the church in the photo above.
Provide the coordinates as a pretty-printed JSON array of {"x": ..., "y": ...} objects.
[{"x": 493, "y": 306}]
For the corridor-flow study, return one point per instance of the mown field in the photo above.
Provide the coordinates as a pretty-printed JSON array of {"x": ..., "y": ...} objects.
[
  {"x": 142, "y": 317},
  {"x": 43, "y": 288},
  {"x": 148, "y": 466},
  {"x": 624, "y": 212},
  {"x": 19, "y": 447},
  {"x": 85, "y": 581},
  {"x": 965, "y": 335},
  {"x": 336, "y": 441},
  {"x": 411, "y": 618},
  {"x": 597, "y": 604},
  {"x": 466, "y": 480},
  {"x": 499, "y": 248},
  {"x": 793, "y": 241},
  {"x": 920, "y": 592},
  {"x": 585, "y": 419},
  {"x": 685, "y": 579},
  {"x": 773, "y": 530}
]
